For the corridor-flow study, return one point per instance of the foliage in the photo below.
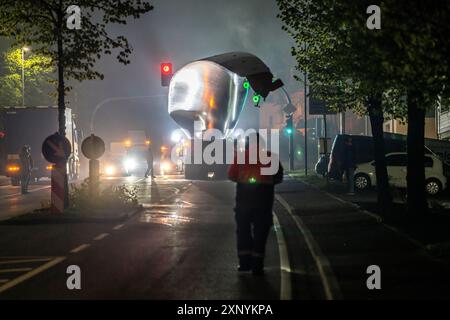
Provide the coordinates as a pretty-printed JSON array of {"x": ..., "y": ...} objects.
[
  {"x": 41, "y": 24},
  {"x": 38, "y": 74},
  {"x": 347, "y": 61},
  {"x": 111, "y": 198},
  {"x": 401, "y": 69}
]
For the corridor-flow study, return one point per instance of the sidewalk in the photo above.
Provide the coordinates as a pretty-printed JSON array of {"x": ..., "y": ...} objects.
[
  {"x": 4, "y": 181},
  {"x": 349, "y": 240}
]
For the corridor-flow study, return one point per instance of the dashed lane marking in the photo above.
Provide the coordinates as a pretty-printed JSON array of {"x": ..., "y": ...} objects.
[
  {"x": 14, "y": 282},
  {"x": 15, "y": 270},
  {"x": 101, "y": 236},
  {"x": 118, "y": 227},
  {"x": 330, "y": 284},
  {"x": 285, "y": 266},
  {"x": 80, "y": 248},
  {"x": 24, "y": 260}
]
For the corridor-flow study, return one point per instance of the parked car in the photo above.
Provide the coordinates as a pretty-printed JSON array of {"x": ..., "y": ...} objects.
[{"x": 396, "y": 163}]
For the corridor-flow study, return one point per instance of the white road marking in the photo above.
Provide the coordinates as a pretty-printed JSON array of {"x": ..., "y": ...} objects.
[
  {"x": 15, "y": 270},
  {"x": 24, "y": 260},
  {"x": 80, "y": 248},
  {"x": 330, "y": 284},
  {"x": 118, "y": 227},
  {"x": 285, "y": 266},
  {"x": 4, "y": 280},
  {"x": 30, "y": 274},
  {"x": 101, "y": 236}
]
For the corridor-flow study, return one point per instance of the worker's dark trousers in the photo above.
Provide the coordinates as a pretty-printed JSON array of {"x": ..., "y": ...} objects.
[
  {"x": 149, "y": 169},
  {"x": 253, "y": 226},
  {"x": 24, "y": 182}
]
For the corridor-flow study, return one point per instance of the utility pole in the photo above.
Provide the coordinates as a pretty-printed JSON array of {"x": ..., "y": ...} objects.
[
  {"x": 326, "y": 142},
  {"x": 23, "y": 49},
  {"x": 306, "y": 125}
]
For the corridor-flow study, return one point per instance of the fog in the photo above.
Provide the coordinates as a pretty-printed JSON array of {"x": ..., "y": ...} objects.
[{"x": 178, "y": 32}]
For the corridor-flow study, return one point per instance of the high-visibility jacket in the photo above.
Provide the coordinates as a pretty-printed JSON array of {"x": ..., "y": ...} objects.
[
  {"x": 248, "y": 173},
  {"x": 254, "y": 189}
]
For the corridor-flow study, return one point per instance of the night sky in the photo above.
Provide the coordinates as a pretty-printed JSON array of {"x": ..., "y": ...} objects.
[{"x": 179, "y": 32}]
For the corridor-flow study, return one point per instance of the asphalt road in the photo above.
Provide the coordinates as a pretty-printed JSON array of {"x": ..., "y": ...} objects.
[{"x": 182, "y": 246}]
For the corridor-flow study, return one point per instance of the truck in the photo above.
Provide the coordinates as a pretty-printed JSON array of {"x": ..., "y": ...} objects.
[
  {"x": 127, "y": 157},
  {"x": 30, "y": 126}
]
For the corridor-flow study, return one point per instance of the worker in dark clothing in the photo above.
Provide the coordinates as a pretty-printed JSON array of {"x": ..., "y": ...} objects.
[
  {"x": 349, "y": 165},
  {"x": 26, "y": 165},
  {"x": 149, "y": 163},
  {"x": 253, "y": 210}
]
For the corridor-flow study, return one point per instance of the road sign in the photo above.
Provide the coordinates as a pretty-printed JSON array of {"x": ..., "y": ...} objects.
[
  {"x": 93, "y": 147},
  {"x": 56, "y": 148},
  {"x": 289, "y": 108}
]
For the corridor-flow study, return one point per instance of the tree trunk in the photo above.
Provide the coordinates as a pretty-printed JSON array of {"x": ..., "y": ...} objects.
[
  {"x": 384, "y": 197},
  {"x": 415, "y": 178},
  {"x": 61, "y": 102}
]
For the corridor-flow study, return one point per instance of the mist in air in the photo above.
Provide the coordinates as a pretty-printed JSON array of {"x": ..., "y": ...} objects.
[{"x": 178, "y": 32}]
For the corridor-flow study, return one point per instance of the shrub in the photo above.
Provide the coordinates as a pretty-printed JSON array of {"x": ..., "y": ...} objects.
[{"x": 111, "y": 198}]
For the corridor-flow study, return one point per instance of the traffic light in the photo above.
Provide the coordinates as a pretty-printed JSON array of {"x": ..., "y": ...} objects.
[
  {"x": 289, "y": 128},
  {"x": 166, "y": 73}
]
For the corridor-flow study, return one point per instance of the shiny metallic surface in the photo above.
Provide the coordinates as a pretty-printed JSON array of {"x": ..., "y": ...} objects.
[{"x": 207, "y": 92}]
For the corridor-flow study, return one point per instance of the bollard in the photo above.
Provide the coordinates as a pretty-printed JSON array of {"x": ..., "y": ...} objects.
[
  {"x": 57, "y": 196},
  {"x": 94, "y": 177}
]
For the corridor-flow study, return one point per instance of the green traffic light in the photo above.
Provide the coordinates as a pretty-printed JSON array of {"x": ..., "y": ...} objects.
[
  {"x": 288, "y": 130},
  {"x": 252, "y": 180},
  {"x": 246, "y": 85},
  {"x": 256, "y": 99}
]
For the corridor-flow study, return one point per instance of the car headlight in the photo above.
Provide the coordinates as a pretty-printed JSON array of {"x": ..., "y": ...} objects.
[
  {"x": 166, "y": 166},
  {"x": 110, "y": 170},
  {"x": 130, "y": 164}
]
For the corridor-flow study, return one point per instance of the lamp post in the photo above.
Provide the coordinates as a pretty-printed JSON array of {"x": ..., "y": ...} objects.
[
  {"x": 289, "y": 109},
  {"x": 24, "y": 49}
]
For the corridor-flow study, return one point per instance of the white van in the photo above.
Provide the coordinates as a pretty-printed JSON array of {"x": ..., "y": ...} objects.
[{"x": 396, "y": 163}]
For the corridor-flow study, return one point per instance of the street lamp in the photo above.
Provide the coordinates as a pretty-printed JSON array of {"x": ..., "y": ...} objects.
[{"x": 24, "y": 49}]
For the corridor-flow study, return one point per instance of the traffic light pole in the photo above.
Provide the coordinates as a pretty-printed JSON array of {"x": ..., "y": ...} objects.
[
  {"x": 290, "y": 124},
  {"x": 291, "y": 145}
]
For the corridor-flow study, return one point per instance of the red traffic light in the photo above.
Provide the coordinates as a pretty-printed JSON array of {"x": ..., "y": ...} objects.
[
  {"x": 166, "y": 73},
  {"x": 166, "y": 68}
]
